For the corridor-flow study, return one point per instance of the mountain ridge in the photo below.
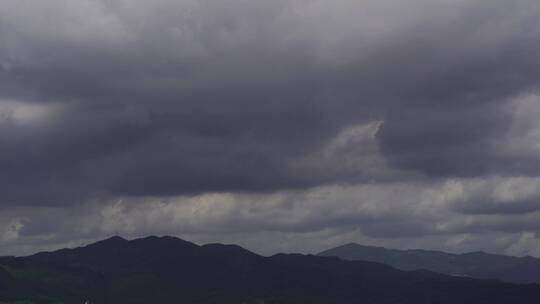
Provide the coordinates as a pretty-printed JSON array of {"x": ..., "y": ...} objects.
[
  {"x": 167, "y": 269},
  {"x": 476, "y": 264}
]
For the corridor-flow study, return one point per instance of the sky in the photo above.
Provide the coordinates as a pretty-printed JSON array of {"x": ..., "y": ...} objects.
[{"x": 281, "y": 126}]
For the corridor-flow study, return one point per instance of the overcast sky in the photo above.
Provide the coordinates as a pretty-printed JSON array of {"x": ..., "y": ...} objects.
[{"x": 280, "y": 125}]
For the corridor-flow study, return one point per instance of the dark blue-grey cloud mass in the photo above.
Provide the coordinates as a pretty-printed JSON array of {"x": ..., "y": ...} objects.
[{"x": 109, "y": 99}]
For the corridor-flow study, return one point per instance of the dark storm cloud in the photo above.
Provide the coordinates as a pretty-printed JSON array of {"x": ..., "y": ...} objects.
[
  {"x": 182, "y": 97},
  {"x": 455, "y": 120},
  {"x": 456, "y": 141}
]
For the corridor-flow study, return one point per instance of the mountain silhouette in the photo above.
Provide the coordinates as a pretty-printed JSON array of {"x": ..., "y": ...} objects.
[
  {"x": 475, "y": 264},
  {"x": 171, "y": 270}
]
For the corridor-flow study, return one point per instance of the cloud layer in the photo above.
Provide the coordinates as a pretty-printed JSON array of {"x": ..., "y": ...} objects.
[{"x": 306, "y": 119}]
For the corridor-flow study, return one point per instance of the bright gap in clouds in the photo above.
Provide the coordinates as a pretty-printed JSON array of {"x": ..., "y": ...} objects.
[{"x": 25, "y": 113}]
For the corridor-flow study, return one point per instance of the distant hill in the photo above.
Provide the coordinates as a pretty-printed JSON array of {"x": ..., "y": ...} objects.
[
  {"x": 170, "y": 270},
  {"x": 475, "y": 264}
]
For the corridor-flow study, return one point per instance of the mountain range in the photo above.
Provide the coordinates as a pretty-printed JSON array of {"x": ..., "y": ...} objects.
[
  {"x": 479, "y": 264},
  {"x": 170, "y": 270}
]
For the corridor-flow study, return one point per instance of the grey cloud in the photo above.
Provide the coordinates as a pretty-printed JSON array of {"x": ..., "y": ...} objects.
[
  {"x": 401, "y": 215},
  {"x": 455, "y": 120},
  {"x": 498, "y": 196},
  {"x": 347, "y": 120},
  {"x": 186, "y": 97}
]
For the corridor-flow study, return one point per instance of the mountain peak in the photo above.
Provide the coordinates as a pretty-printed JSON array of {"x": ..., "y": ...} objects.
[
  {"x": 116, "y": 239},
  {"x": 113, "y": 241},
  {"x": 351, "y": 247}
]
